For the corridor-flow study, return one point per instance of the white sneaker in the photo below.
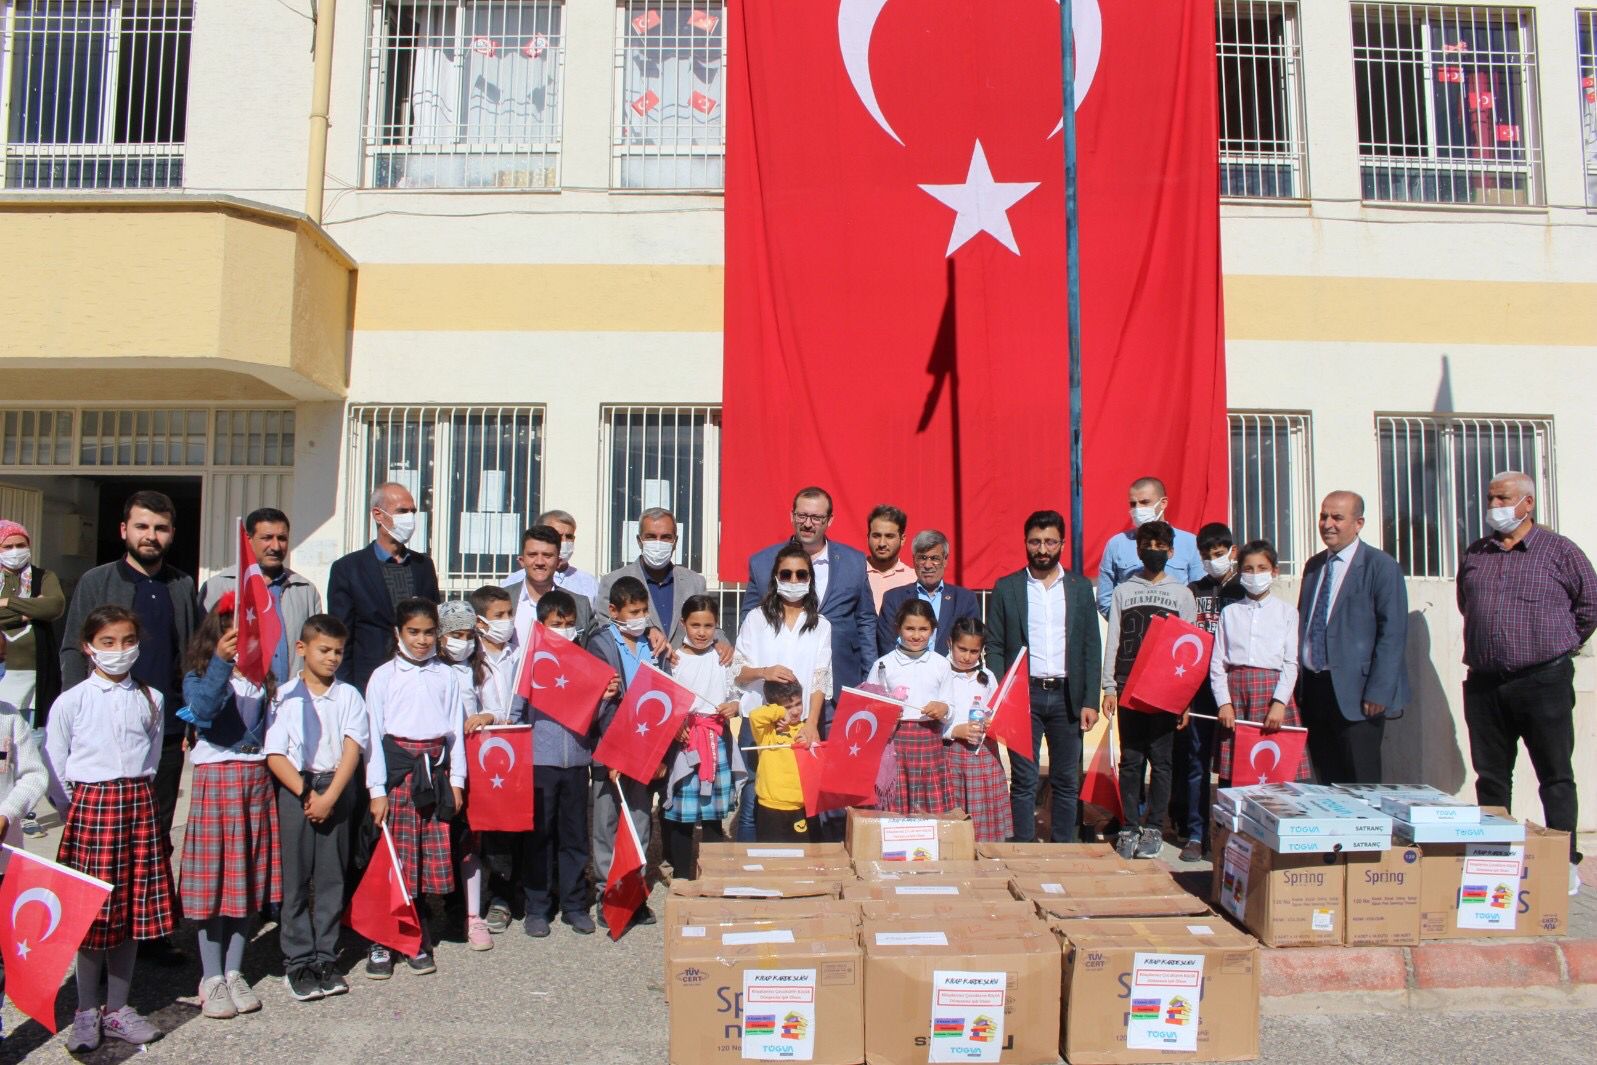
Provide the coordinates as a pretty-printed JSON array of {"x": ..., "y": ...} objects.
[{"x": 1574, "y": 879}]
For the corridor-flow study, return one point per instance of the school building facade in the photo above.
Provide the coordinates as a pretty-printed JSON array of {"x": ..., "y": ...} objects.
[{"x": 502, "y": 283}]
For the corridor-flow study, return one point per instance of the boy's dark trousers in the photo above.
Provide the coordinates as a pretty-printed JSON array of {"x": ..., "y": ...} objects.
[
  {"x": 314, "y": 859},
  {"x": 781, "y": 826},
  {"x": 557, "y": 847},
  {"x": 1146, "y": 740}
]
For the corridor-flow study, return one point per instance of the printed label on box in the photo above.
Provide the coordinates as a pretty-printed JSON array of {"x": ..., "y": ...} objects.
[
  {"x": 692, "y": 931},
  {"x": 742, "y": 939},
  {"x": 1234, "y": 876},
  {"x": 911, "y": 939},
  {"x": 1488, "y": 890},
  {"x": 1323, "y": 921},
  {"x": 756, "y": 868},
  {"x": 1200, "y": 930},
  {"x": 1053, "y": 889},
  {"x": 776, "y": 852},
  {"x": 1165, "y": 992},
  {"x": 779, "y": 1015},
  {"x": 926, "y": 889},
  {"x": 967, "y": 1015},
  {"x": 909, "y": 840},
  {"x": 747, "y": 891}
]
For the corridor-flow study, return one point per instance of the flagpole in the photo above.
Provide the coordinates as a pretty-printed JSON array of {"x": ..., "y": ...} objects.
[{"x": 1072, "y": 277}]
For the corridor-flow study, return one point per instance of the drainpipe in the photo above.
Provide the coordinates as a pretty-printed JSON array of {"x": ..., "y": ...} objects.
[{"x": 321, "y": 94}]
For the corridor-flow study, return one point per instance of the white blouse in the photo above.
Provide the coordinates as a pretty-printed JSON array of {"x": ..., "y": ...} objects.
[
  {"x": 102, "y": 730},
  {"x": 1256, "y": 632},
  {"x": 915, "y": 680},
  {"x": 967, "y": 691},
  {"x": 417, "y": 702},
  {"x": 250, "y": 698},
  {"x": 497, "y": 696},
  {"x": 706, "y": 677},
  {"x": 807, "y": 654}
]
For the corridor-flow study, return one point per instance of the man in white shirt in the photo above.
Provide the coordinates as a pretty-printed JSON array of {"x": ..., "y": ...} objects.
[
  {"x": 540, "y": 555},
  {"x": 579, "y": 582}
]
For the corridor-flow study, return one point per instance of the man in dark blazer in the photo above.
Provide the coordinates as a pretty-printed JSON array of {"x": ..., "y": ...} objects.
[
  {"x": 1053, "y": 615},
  {"x": 949, "y": 602},
  {"x": 1352, "y": 621},
  {"x": 840, "y": 581},
  {"x": 365, "y": 585}
]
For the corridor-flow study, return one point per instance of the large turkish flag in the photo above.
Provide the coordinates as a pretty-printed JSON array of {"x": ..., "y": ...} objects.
[{"x": 895, "y": 269}]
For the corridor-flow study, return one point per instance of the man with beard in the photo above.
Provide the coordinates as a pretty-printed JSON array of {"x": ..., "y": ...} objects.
[
  {"x": 1052, "y": 614},
  {"x": 297, "y": 598}
]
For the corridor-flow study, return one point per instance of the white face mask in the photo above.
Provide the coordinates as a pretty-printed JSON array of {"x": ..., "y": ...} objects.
[
  {"x": 565, "y": 633},
  {"x": 1501, "y": 520},
  {"x": 114, "y": 663},
  {"x": 656, "y": 553},
  {"x": 567, "y": 549},
  {"x": 634, "y": 627},
  {"x": 401, "y": 526},
  {"x": 792, "y": 591},
  {"x": 1141, "y": 516},
  {"x": 499, "y": 631},
  {"x": 457, "y": 648},
  {"x": 16, "y": 557},
  {"x": 1219, "y": 568},
  {"x": 1257, "y": 583}
]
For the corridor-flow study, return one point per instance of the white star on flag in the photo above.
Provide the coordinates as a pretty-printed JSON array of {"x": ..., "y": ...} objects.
[
  {"x": 497, "y": 781},
  {"x": 981, "y": 203},
  {"x": 1181, "y": 670},
  {"x": 643, "y": 728},
  {"x": 249, "y": 615},
  {"x": 23, "y": 948},
  {"x": 853, "y": 750},
  {"x": 560, "y": 682}
]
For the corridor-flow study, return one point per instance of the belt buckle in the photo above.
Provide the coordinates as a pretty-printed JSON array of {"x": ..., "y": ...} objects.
[{"x": 248, "y": 748}]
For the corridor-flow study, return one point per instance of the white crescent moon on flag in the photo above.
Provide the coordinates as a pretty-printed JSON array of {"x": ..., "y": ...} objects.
[
  {"x": 856, "y": 716},
  {"x": 664, "y": 700},
  {"x": 1186, "y": 639},
  {"x": 856, "y": 22},
  {"x": 1265, "y": 745},
  {"x": 490, "y": 744},
  {"x": 532, "y": 667},
  {"x": 44, "y": 897},
  {"x": 1087, "y": 22}
]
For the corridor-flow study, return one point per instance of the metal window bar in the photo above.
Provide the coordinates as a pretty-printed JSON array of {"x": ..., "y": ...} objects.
[
  {"x": 100, "y": 437},
  {"x": 94, "y": 93},
  {"x": 464, "y": 94},
  {"x": 653, "y": 456},
  {"x": 1270, "y": 488},
  {"x": 1586, "y": 34},
  {"x": 476, "y": 473},
  {"x": 669, "y": 93},
  {"x": 1263, "y": 149},
  {"x": 254, "y": 438},
  {"x": 36, "y": 437},
  {"x": 1446, "y": 101}
]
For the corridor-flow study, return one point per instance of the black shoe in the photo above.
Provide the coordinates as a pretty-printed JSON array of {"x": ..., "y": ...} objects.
[
  {"x": 580, "y": 922},
  {"x": 536, "y": 927},
  {"x": 331, "y": 981},
  {"x": 162, "y": 952},
  {"x": 379, "y": 964},
  {"x": 304, "y": 985},
  {"x": 421, "y": 964},
  {"x": 643, "y": 916},
  {"x": 498, "y": 918}
]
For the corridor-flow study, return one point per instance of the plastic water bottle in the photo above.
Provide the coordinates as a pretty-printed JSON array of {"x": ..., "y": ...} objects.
[{"x": 979, "y": 716}]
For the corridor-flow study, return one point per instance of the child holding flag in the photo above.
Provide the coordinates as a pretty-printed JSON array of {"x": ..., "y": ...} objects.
[
  {"x": 457, "y": 640},
  {"x": 1254, "y": 669},
  {"x": 973, "y": 766},
  {"x": 778, "y": 789},
  {"x": 916, "y": 675},
  {"x": 496, "y": 696}
]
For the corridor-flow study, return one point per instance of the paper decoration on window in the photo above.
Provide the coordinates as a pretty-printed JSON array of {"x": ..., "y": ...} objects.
[
  {"x": 703, "y": 20},
  {"x": 646, "y": 21},
  {"x": 1506, "y": 132},
  {"x": 1481, "y": 101},
  {"x": 1456, "y": 46},
  {"x": 485, "y": 46},
  {"x": 1589, "y": 82},
  {"x": 1452, "y": 75},
  {"x": 646, "y": 103},
  {"x": 535, "y": 46},
  {"x": 701, "y": 103}
]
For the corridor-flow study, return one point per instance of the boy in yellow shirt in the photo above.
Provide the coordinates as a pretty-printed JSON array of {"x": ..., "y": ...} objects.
[{"x": 778, "y": 793}]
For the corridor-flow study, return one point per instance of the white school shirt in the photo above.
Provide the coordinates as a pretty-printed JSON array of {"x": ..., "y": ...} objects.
[
  {"x": 1045, "y": 625},
  {"x": 964, "y": 690},
  {"x": 917, "y": 681},
  {"x": 807, "y": 654},
  {"x": 469, "y": 696},
  {"x": 497, "y": 695},
  {"x": 303, "y": 721},
  {"x": 250, "y": 698},
  {"x": 1256, "y": 632},
  {"x": 102, "y": 730},
  {"x": 418, "y": 702},
  {"x": 706, "y": 677}
]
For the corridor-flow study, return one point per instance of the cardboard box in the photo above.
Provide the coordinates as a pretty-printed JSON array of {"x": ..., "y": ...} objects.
[
  {"x": 1124, "y": 907},
  {"x": 1108, "y": 863},
  {"x": 934, "y": 910},
  {"x": 1543, "y": 893},
  {"x": 1032, "y": 851},
  {"x": 946, "y": 993},
  {"x": 683, "y": 910},
  {"x": 730, "y": 851},
  {"x": 930, "y": 887},
  {"x": 805, "y": 997},
  {"x": 1315, "y": 844},
  {"x": 1307, "y": 810},
  {"x": 1095, "y": 885},
  {"x": 696, "y": 935},
  {"x": 1287, "y": 900},
  {"x": 757, "y": 887},
  {"x": 972, "y": 872},
  {"x": 797, "y": 868},
  {"x": 1383, "y": 898},
  {"x": 873, "y": 836},
  {"x": 1491, "y": 828},
  {"x": 1416, "y": 803},
  {"x": 1206, "y": 992}
]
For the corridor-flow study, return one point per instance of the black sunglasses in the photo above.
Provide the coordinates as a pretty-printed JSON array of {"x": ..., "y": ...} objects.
[{"x": 792, "y": 574}]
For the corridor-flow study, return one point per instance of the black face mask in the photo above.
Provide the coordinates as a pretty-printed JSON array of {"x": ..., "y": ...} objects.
[{"x": 1153, "y": 561}]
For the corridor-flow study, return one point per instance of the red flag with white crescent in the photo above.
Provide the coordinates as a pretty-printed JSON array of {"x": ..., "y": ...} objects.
[
  {"x": 1100, "y": 785},
  {"x": 45, "y": 911},
  {"x": 381, "y": 909},
  {"x": 651, "y": 715},
  {"x": 499, "y": 795},
  {"x": 1170, "y": 667},
  {"x": 561, "y": 680},
  {"x": 1010, "y": 723},
  {"x": 627, "y": 887},
  {"x": 255, "y": 614},
  {"x": 862, "y": 729},
  {"x": 1259, "y": 757}
]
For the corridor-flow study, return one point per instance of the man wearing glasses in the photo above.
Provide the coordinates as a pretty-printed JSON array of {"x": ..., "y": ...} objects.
[{"x": 949, "y": 602}]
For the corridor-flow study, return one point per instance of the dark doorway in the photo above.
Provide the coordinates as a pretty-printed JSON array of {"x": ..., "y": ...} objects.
[{"x": 185, "y": 494}]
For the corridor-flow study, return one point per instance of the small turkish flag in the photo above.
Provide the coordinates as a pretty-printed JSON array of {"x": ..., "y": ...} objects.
[
  {"x": 650, "y": 716},
  {"x": 703, "y": 20},
  {"x": 570, "y": 684},
  {"x": 260, "y": 626},
  {"x": 485, "y": 46},
  {"x": 1171, "y": 664},
  {"x": 381, "y": 909},
  {"x": 1101, "y": 784},
  {"x": 1506, "y": 132},
  {"x": 701, "y": 103},
  {"x": 862, "y": 730},
  {"x": 533, "y": 47},
  {"x": 646, "y": 103},
  {"x": 1258, "y": 757},
  {"x": 1450, "y": 75},
  {"x": 1010, "y": 708},
  {"x": 45, "y": 911},
  {"x": 646, "y": 21},
  {"x": 627, "y": 889},
  {"x": 499, "y": 779}
]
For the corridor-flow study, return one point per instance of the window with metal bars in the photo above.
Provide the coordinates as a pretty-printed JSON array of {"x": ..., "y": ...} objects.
[
  {"x": 153, "y": 436},
  {"x": 464, "y": 94},
  {"x": 660, "y": 457},
  {"x": 1434, "y": 473},
  {"x": 1271, "y": 491},
  {"x": 476, "y": 473},
  {"x": 1263, "y": 151},
  {"x": 1586, "y": 34},
  {"x": 1447, "y": 104},
  {"x": 669, "y": 132},
  {"x": 94, "y": 94}
]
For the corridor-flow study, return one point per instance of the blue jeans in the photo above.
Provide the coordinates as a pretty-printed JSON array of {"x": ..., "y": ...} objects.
[
  {"x": 1052, "y": 717},
  {"x": 745, "y": 825},
  {"x": 1194, "y": 756}
]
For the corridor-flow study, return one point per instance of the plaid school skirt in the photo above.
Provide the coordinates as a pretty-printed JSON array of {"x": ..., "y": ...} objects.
[
  {"x": 422, "y": 845},
  {"x": 981, "y": 790},
  {"x": 231, "y": 864},
  {"x": 689, "y": 807},
  {"x": 111, "y": 833},
  {"x": 923, "y": 785},
  {"x": 1251, "y": 690}
]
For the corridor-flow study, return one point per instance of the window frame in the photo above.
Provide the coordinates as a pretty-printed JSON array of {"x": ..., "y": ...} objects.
[
  {"x": 620, "y": 149},
  {"x": 1586, "y": 86},
  {"x": 705, "y": 540},
  {"x": 1295, "y": 548},
  {"x": 1292, "y": 97}
]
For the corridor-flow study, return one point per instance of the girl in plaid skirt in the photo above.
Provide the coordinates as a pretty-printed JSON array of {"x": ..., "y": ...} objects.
[
  {"x": 920, "y": 677},
  {"x": 457, "y": 636},
  {"x": 230, "y": 856},
  {"x": 102, "y": 746},
  {"x": 416, "y": 708},
  {"x": 978, "y": 776},
  {"x": 706, "y": 766},
  {"x": 1254, "y": 668}
]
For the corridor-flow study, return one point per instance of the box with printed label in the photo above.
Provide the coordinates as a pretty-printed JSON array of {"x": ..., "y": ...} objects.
[
  {"x": 1383, "y": 898},
  {"x": 1469, "y": 890},
  {"x": 1109, "y": 863},
  {"x": 695, "y": 935},
  {"x": 1124, "y": 907},
  {"x": 974, "y": 991},
  {"x": 979, "y": 871},
  {"x": 681, "y": 909},
  {"x": 1287, "y": 900},
  {"x": 798, "y": 868},
  {"x": 772, "y": 1001},
  {"x": 922, "y": 887},
  {"x": 1416, "y": 803},
  {"x": 1165, "y": 989},
  {"x": 875, "y": 836},
  {"x": 1304, "y": 810},
  {"x": 1312, "y": 844},
  {"x": 833, "y": 853},
  {"x": 1491, "y": 828},
  {"x": 935, "y": 908},
  {"x": 1148, "y": 880},
  {"x": 1033, "y": 851}
]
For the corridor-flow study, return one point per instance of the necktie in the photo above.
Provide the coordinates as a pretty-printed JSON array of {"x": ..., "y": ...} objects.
[{"x": 1318, "y": 621}]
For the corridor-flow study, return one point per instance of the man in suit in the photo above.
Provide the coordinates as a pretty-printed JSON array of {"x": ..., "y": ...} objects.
[
  {"x": 540, "y": 558},
  {"x": 949, "y": 602},
  {"x": 1352, "y": 621},
  {"x": 840, "y": 582},
  {"x": 1053, "y": 615},
  {"x": 668, "y": 585},
  {"x": 365, "y": 585}
]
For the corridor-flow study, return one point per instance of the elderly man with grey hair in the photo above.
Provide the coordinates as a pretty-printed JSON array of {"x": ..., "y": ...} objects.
[
  {"x": 1529, "y": 600},
  {"x": 669, "y": 584},
  {"x": 949, "y": 602}
]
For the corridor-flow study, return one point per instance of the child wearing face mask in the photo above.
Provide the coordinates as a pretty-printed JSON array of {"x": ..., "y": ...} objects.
[
  {"x": 496, "y": 698},
  {"x": 980, "y": 788},
  {"x": 706, "y": 765},
  {"x": 1146, "y": 739},
  {"x": 923, "y": 680},
  {"x": 102, "y": 746},
  {"x": 459, "y": 648},
  {"x": 416, "y": 712},
  {"x": 1254, "y": 669}
]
